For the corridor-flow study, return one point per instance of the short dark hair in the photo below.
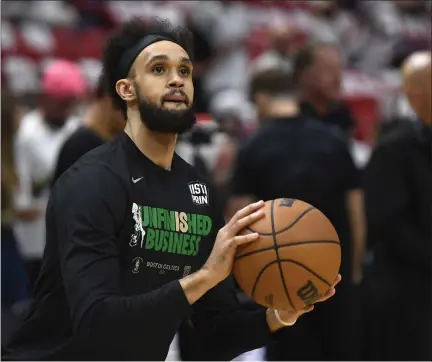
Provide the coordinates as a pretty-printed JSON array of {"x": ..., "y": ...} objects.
[
  {"x": 272, "y": 82},
  {"x": 305, "y": 57},
  {"x": 128, "y": 36}
]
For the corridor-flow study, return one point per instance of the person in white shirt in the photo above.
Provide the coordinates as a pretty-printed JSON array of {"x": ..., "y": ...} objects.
[{"x": 37, "y": 143}]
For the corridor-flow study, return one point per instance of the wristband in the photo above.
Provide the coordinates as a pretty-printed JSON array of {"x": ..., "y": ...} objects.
[{"x": 281, "y": 321}]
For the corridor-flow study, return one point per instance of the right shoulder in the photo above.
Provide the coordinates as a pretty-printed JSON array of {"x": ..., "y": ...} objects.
[
  {"x": 104, "y": 167},
  {"x": 90, "y": 180}
]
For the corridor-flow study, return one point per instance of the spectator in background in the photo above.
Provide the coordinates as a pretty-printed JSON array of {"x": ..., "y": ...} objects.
[
  {"x": 102, "y": 122},
  {"x": 398, "y": 204},
  {"x": 93, "y": 14},
  {"x": 318, "y": 73},
  {"x": 14, "y": 283},
  {"x": 294, "y": 156},
  {"x": 38, "y": 141},
  {"x": 203, "y": 56},
  {"x": 280, "y": 54},
  {"x": 230, "y": 29}
]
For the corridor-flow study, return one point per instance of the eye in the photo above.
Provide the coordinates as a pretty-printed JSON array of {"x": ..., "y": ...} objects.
[
  {"x": 158, "y": 69},
  {"x": 184, "y": 71}
]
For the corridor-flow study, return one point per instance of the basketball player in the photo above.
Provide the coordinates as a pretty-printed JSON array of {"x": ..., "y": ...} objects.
[
  {"x": 100, "y": 298},
  {"x": 398, "y": 193}
]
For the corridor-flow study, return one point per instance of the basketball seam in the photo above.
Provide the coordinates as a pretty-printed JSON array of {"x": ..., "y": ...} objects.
[
  {"x": 283, "y": 230},
  {"x": 308, "y": 269},
  {"x": 289, "y": 261},
  {"x": 286, "y": 245},
  {"x": 277, "y": 253},
  {"x": 260, "y": 274}
]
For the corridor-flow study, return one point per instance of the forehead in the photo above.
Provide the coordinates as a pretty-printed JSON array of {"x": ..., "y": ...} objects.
[{"x": 169, "y": 49}]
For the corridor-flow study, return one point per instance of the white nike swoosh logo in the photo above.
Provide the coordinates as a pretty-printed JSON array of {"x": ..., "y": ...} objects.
[{"x": 136, "y": 180}]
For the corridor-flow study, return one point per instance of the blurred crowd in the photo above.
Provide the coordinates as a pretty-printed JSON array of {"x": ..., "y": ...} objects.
[{"x": 322, "y": 101}]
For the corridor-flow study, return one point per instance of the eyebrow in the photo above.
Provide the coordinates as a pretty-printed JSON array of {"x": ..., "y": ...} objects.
[{"x": 165, "y": 57}]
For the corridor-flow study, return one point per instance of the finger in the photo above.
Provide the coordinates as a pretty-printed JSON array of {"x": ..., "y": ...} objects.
[
  {"x": 308, "y": 309},
  {"x": 246, "y": 211},
  {"x": 337, "y": 280},
  {"x": 330, "y": 293},
  {"x": 244, "y": 239},
  {"x": 246, "y": 221}
]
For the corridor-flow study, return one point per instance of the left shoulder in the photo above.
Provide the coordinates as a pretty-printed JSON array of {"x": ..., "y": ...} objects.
[
  {"x": 190, "y": 171},
  {"x": 200, "y": 186}
]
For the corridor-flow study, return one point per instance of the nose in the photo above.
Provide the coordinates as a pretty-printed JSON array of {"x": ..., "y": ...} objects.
[{"x": 176, "y": 82}]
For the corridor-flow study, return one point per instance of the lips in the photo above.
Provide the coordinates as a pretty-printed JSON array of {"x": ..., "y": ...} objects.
[{"x": 176, "y": 99}]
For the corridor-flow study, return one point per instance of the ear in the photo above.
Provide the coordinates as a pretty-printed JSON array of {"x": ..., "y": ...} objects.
[
  {"x": 260, "y": 99},
  {"x": 125, "y": 90}
]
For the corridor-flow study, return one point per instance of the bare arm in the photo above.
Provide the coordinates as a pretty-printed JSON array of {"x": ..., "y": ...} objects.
[
  {"x": 24, "y": 208},
  {"x": 356, "y": 215}
]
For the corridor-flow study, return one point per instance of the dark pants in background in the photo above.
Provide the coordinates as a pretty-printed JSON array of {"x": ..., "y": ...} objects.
[
  {"x": 329, "y": 333},
  {"x": 397, "y": 320},
  {"x": 14, "y": 282}
]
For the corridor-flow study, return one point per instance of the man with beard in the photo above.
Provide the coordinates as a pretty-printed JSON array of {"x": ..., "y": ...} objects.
[
  {"x": 101, "y": 123},
  {"x": 100, "y": 297}
]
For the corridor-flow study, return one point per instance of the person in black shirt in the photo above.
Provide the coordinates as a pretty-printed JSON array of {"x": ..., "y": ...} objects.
[
  {"x": 398, "y": 193},
  {"x": 136, "y": 246},
  {"x": 292, "y": 156},
  {"x": 103, "y": 121},
  {"x": 318, "y": 73}
]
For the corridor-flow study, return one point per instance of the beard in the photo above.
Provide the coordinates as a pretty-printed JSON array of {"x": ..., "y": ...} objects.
[{"x": 162, "y": 120}]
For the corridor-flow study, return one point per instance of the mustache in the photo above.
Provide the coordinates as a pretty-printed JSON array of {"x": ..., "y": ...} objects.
[{"x": 176, "y": 93}]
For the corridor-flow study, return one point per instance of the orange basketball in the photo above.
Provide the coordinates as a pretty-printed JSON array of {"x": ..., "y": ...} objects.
[{"x": 295, "y": 260}]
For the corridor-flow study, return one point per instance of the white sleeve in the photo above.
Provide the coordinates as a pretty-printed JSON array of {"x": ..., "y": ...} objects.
[{"x": 23, "y": 195}]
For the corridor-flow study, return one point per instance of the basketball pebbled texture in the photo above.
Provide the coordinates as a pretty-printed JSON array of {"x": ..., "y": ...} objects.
[{"x": 295, "y": 260}]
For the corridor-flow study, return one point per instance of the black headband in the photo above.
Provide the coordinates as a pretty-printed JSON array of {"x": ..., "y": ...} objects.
[{"x": 130, "y": 55}]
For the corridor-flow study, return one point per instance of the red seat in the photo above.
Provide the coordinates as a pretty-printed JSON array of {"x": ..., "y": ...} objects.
[
  {"x": 366, "y": 112},
  {"x": 91, "y": 43},
  {"x": 67, "y": 43}
]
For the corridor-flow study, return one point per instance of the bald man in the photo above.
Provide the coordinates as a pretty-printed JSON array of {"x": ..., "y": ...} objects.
[
  {"x": 398, "y": 189},
  {"x": 417, "y": 84}
]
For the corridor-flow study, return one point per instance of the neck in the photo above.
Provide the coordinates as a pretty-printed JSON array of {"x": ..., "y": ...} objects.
[
  {"x": 158, "y": 147},
  {"x": 283, "y": 108},
  {"x": 96, "y": 121}
]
